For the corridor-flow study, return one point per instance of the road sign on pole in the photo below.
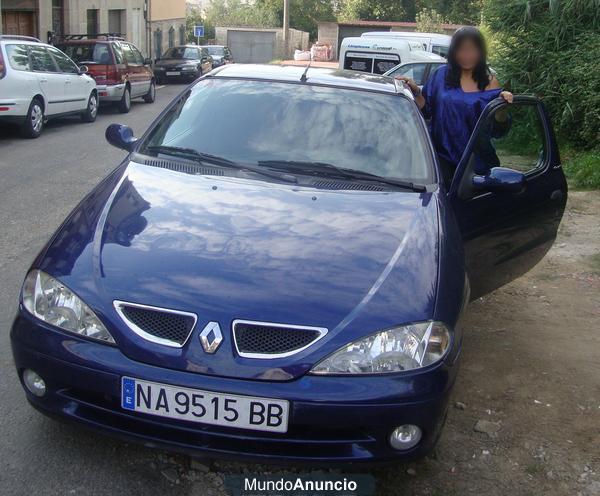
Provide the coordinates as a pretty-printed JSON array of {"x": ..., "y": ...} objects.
[{"x": 198, "y": 33}]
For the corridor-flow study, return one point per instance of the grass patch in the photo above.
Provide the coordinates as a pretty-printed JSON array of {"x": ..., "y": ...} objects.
[
  {"x": 582, "y": 168},
  {"x": 595, "y": 262}
]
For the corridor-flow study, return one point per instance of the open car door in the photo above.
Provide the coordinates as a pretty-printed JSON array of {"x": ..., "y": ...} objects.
[{"x": 508, "y": 193}]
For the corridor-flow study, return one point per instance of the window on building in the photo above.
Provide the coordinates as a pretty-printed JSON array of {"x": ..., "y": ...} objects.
[
  {"x": 116, "y": 21},
  {"x": 57, "y": 17},
  {"x": 92, "y": 22},
  {"x": 158, "y": 43},
  {"x": 182, "y": 34},
  {"x": 171, "y": 36}
]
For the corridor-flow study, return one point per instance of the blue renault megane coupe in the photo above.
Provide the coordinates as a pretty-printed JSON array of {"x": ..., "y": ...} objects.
[{"x": 277, "y": 271}]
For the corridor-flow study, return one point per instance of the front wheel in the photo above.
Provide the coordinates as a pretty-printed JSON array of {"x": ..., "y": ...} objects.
[
  {"x": 124, "y": 105},
  {"x": 151, "y": 95},
  {"x": 34, "y": 122},
  {"x": 91, "y": 111}
]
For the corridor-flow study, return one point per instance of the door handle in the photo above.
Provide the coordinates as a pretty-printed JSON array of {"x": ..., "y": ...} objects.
[
  {"x": 43, "y": 80},
  {"x": 67, "y": 82}
]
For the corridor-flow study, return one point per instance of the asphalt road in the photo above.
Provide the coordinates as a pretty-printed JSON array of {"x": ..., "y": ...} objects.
[{"x": 41, "y": 181}]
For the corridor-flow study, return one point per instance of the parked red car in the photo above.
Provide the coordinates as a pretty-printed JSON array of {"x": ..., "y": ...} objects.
[{"x": 120, "y": 70}]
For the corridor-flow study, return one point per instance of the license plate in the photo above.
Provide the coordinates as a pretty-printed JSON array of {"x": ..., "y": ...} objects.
[
  {"x": 173, "y": 73},
  {"x": 204, "y": 407}
]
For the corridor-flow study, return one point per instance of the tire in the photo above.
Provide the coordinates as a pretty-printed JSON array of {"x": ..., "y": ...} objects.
[
  {"x": 91, "y": 111},
  {"x": 124, "y": 105},
  {"x": 151, "y": 95},
  {"x": 34, "y": 121}
]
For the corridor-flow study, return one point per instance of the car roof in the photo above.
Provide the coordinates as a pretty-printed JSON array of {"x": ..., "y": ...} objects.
[{"x": 314, "y": 75}]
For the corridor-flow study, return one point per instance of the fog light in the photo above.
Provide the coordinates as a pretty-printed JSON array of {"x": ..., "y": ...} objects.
[
  {"x": 405, "y": 437},
  {"x": 34, "y": 383}
]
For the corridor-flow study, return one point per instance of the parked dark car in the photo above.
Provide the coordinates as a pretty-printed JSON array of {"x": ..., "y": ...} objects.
[
  {"x": 119, "y": 68},
  {"x": 186, "y": 62},
  {"x": 283, "y": 280},
  {"x": 220, "y": 54}
]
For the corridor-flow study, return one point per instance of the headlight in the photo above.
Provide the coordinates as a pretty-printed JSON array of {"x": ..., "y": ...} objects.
[
  {"x": 188, "y": 68},
  {"x": 159, "y": 68},
  {"x": 51, "y": 301},
  {"x": 407, "y": 347}
]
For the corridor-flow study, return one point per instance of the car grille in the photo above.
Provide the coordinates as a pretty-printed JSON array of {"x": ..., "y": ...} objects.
[
  {"x": 159, "y": 325},
  {"x": 267, "y": 340}
]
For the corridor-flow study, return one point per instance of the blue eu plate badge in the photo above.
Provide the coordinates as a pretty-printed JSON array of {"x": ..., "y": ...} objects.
[{"x": 128, "y": 393}]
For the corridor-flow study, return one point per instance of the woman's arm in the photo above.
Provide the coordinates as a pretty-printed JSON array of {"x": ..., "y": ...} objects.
[
  {"x": 495, "y": 84},
  {"x": 416, "y": 91}
]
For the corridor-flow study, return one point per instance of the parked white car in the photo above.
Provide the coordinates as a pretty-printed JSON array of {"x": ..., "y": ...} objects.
[
  {"x": 379, "y": 55},
  {"x": 419, "y": 72},
  {"x": 431, "y": 42},
  {"x": 38, "y": 82}
]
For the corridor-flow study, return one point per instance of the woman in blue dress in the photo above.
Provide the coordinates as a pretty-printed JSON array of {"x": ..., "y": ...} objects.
[{"x": 456, "y": 94}]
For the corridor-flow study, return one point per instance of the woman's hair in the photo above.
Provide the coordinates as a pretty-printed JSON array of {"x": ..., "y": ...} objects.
[{"x": 481, "y": 73}]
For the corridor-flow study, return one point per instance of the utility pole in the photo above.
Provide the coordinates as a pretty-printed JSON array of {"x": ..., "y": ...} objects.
[{"x": 286, "y": 28}]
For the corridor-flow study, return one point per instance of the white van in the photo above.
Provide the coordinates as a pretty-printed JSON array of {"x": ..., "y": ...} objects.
[
  {"x": 379, "y": 55},
  {"x": 431, "y": 42}
]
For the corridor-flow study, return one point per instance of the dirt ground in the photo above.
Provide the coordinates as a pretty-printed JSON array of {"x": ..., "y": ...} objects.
[{"x": 525, "y": 413}]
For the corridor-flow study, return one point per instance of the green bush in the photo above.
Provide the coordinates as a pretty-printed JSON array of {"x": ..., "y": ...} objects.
[
  {"x": 582, "y": 169},
  {"x": 551, "y": 48}
]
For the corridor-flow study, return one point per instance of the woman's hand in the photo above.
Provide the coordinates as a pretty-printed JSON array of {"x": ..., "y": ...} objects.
[
  {"x": 507, "y": 96},
  {"x": 414, "y": 87}
]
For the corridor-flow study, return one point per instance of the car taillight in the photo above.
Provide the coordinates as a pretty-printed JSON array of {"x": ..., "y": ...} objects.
[
  {"x": 2, "y": 66},
  {"x": 112, "y": 75}
]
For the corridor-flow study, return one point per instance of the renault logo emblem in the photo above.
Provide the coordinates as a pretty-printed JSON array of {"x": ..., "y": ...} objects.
[{"x": 211, "y": 337}]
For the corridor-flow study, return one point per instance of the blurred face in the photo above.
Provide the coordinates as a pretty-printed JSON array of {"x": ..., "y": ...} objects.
[{"x": 468, "y": 55}]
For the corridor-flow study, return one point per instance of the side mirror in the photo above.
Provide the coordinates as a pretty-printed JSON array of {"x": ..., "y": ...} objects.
[
  {"x": 120, "y": 136},
  {"x": 83, "y": 69},
  {"x": 501, "y": 180},
  {"x": 147, "y": 61}
]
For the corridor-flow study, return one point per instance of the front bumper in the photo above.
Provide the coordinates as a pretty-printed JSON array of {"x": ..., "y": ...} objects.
[
  {"x": 110, "y": 92},
  {"x": 162, "y": 75},
  {"x": 332, "y": 419}
]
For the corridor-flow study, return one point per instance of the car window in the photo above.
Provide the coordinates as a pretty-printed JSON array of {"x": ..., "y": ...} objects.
[
  {"x": 216, "y": 50},
  {"x": 118, "y": 51},
  {"x": 304, "y": 123},
  {"x": 129, "y": 53},
  {"x": 512, "y": 136},
  {"x": 414, "y": 71},
  {"x": 65, "y": 64},
  {"x": 18, "y": 57},
  {"x": 88, "y": 53},
  {"x": 139, "y": 59},
  {"x": 518, "y": 138},
  {"x": 440, "y": 50},
  {"x": 41, "y": 61},
  {"x": 181, "y": 53},
  {"x": 204, "y": 52},
  {"x": 384, "y": 63}
]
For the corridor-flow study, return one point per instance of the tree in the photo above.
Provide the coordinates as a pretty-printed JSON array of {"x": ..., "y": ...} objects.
[
  {"x": 195, "y": 18},
  {"x": 236, "y": 13},
  {"x": 304, "y": 14},
  {"x": 550, "y": 48},
  {"x": 429, "y": 21},
  {"x": 372, "y": 10}
]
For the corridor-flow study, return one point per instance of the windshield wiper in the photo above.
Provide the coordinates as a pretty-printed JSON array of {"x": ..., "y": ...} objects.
[
  {"x": 330, "y": 170},
  {"x": 193, "y": 154}
]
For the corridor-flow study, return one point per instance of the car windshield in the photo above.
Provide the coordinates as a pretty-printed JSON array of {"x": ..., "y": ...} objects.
[
  {"x": 215, "y": 50},
  {"x": 181, "y": 53},
  {"x": 88, "y": 53},
  {"x": 254, "y": 122}
]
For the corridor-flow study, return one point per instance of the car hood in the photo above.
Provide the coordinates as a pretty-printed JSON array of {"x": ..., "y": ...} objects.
[
  {"x": 228, "y": 248},
  {"x": 169, "y": 62}
]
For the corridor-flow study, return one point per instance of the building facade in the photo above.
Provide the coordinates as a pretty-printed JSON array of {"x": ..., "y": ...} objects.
[{"x": 152, "y": 25}]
